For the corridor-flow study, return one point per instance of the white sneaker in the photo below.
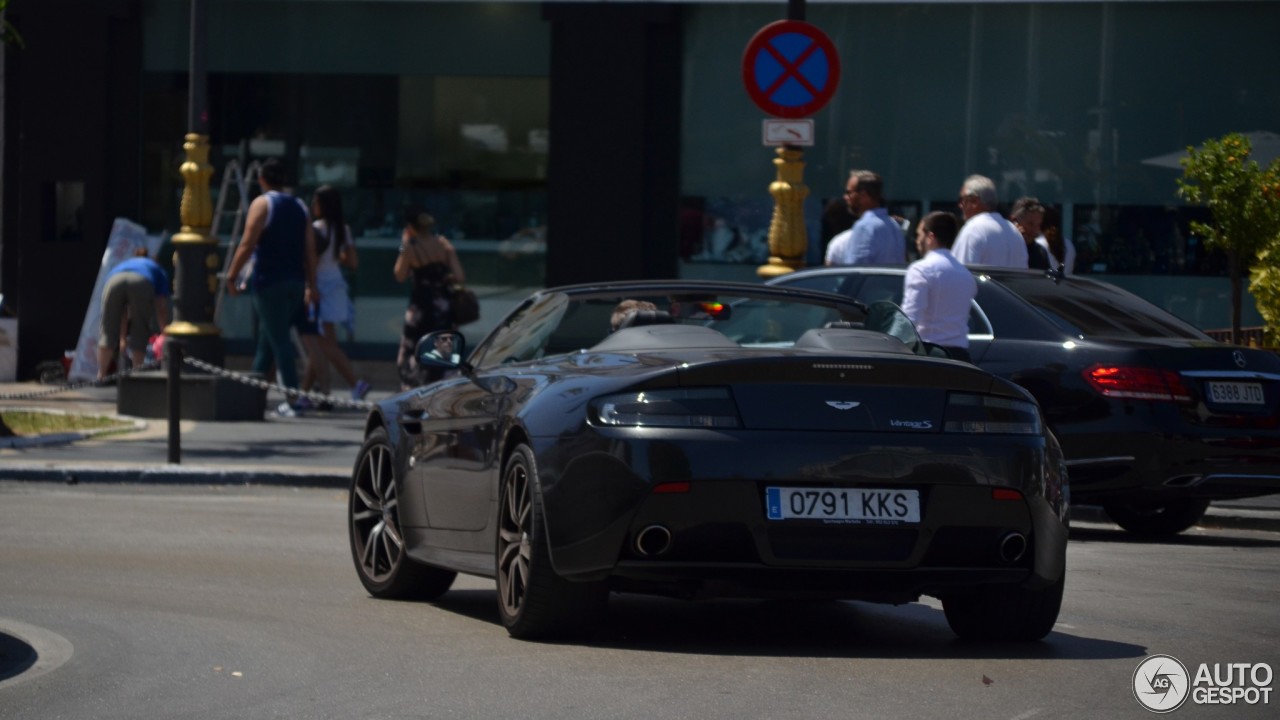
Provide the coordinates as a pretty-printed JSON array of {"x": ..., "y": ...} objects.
[{"x": 285, "y": 410}]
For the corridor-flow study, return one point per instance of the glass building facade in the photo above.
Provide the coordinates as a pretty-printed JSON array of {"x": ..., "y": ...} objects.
[{"x": 446, "y": 105}]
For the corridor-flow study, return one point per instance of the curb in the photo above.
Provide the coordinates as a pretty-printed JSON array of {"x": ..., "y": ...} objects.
[
  {"x": 178, "y": 475},
  {"x": 1232, "y": 518}
]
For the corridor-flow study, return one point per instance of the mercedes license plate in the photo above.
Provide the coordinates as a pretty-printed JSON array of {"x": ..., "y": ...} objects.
[
  {"x": 843, "y": 505},
  {"x": 1240, "y": 393}
]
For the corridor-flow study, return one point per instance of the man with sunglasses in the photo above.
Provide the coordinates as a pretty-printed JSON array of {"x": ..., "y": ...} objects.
[
  {"x": 875, "y": 238},
  {"x": 986, "y": 238}
]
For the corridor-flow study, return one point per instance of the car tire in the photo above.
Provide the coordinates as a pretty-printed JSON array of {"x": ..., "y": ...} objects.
[
  {"x": 1004, "y": 612},
  {"x": 1159, "y": 521},
  {"x": 373, "y": 526},
  {"x": 534, "y": 602}
]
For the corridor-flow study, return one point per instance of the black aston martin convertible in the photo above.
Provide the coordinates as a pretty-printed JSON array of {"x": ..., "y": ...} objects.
[{"x": 725, "y": 439}]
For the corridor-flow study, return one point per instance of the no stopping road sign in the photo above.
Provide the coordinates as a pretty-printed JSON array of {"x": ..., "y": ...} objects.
[{"x": 790, "y": 69}]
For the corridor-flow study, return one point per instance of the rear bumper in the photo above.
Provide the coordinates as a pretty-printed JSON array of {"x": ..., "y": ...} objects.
[
  {"x": 1151, "y": 466},
  {"x": 599, "y": 499}
]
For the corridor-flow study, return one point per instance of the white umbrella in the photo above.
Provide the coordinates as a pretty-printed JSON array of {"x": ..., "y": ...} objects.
[{"x": 1264, "y": 147}]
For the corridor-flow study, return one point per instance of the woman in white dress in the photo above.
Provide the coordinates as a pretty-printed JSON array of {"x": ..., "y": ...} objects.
[{"x": 334, "y": 248}]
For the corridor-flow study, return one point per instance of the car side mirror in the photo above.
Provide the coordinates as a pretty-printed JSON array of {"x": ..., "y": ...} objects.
[{"x": 441, "y": 349}]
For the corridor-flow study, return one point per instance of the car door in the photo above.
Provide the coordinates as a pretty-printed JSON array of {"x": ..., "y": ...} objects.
[
  {"x": 458, "y": 421},
  {"x": 455, "y": 426}
]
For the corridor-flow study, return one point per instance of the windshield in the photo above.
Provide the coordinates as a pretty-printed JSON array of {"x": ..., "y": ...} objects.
[{"x": 555, "y": 323}]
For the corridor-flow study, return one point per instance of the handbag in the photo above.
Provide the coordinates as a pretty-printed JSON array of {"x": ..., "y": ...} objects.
[{"x": 466, "y": 306}]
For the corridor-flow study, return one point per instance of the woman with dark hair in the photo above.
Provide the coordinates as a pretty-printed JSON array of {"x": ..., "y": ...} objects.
[
  {"x": 334, "y": 249},
  {"x": 433, "y": 264},
  {"x": 1061, "y": 251}
]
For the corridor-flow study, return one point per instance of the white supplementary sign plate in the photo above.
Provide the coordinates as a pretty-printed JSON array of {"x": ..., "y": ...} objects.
[
  {"x": 843, "y": 505},
  {"x": 1240, "y": 393},
  {"x": 788, "y": 132}
]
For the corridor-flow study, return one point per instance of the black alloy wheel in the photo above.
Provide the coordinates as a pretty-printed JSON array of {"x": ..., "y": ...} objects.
[
  {"x": 373, "y": 522},
  {"x": 1158, "y": 520},
  {"x": 1004, "y": 612},
  {"x": 533, "y": 601}
]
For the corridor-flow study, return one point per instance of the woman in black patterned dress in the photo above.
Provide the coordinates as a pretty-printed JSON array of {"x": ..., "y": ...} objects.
[{"x": 433, "y": 264}]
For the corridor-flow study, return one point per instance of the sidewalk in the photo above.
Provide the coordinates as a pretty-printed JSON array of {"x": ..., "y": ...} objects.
[{"x": 317, "y": 449}]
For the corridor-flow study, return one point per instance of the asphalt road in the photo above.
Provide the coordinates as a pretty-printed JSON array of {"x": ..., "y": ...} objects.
[{"x": 240, "y": 602}]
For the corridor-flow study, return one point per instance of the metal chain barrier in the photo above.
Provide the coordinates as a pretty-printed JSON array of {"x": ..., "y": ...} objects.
[
  {"x": 314, "y": 397},
  {"x": 66, "y": 387}
]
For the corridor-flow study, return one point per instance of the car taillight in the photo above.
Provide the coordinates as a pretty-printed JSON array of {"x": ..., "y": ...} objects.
[
  {"x": 1138, "y": 383},
  {"x": 968, "y": 413},
  {"x": 693, "y": 407}
]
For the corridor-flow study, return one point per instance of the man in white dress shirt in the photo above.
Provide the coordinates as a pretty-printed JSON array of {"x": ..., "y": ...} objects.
[
  {"x": 937, "y": 290},
  {"x": 875, "y": 238},
  {"x": 987, "y": 238}
]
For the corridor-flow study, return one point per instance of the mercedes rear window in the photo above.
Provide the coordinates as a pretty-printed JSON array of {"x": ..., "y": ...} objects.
[{"x": 1098, "y": 309}]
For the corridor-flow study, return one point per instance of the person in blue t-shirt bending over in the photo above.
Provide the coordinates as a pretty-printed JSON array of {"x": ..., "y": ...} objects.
[{"x": 140, "y": 286}]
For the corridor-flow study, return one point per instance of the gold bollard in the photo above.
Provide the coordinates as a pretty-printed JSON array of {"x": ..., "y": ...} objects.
[
  {"x": 195, "y": 259},
  {"x": 788, "y": 240}
]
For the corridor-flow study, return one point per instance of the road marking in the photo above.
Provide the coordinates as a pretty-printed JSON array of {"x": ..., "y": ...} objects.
[{"x": 51, "y": 650}]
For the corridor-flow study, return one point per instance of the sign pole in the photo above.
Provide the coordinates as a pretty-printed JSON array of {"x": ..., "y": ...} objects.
[
  {"x": 196, "y": 246},
  {"x": 788, "y": 236},
  {"x": 790, "y": 69}
]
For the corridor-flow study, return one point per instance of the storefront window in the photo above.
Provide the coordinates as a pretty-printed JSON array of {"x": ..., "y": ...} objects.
[
  {"x": 442, "y": 106},
  {"x": 1084, "y": 105}
]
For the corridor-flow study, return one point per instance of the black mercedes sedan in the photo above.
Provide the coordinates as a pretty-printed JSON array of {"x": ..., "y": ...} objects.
[
  {"x": 718, "y": 439},
  {"x": 1156, "y": 418}
]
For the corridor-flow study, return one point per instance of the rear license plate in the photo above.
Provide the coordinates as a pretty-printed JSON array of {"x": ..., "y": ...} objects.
[
  {"x": 843, "y": 505},
  {"x": 1239, "y": 393}
]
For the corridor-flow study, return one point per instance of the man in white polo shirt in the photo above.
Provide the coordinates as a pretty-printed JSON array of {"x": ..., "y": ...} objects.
[
  {"x": 986, "y": 238},
  {"x": 937, "y": 290}
]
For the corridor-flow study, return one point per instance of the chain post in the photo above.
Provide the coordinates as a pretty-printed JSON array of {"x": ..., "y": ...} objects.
[{"x": 173, "y": 349}]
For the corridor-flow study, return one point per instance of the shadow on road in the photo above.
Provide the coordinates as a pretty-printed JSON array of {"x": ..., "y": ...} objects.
[
  {"x": 778, "y": 628},
  {"x": 16, "y": 657},
  {"x": 1219, "y": 538}
]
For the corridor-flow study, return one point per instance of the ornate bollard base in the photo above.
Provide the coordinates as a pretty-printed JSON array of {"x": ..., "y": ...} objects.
[{"x": 788, "y": 239}]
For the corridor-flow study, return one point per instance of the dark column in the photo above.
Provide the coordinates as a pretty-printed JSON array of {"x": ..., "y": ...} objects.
[
  {"x": 614, "y": 174},
  {"x": 73, "y": 123}
]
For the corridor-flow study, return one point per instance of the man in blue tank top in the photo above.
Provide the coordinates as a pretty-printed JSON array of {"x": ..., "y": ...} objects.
[{"x": 278, "y": 236}]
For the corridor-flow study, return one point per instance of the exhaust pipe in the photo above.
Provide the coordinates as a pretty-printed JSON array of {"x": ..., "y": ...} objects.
[
  {"x": 1184, "y": 481},
  {"x": 652, "y": 541},
  {"x": 1012, "y": 547}
]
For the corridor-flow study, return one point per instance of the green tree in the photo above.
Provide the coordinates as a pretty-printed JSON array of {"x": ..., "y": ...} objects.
[
  {"x": 8, "y": 34},
  {"x": 1245, "y": 204},
  {"x": 1264, "y": 277}
]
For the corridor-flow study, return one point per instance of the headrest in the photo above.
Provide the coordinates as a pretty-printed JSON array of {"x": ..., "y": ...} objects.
[
  {"x": 855, "y": 341},
  {"x": 663, "y": 337},
  {"x": 636, "y": 318}
]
